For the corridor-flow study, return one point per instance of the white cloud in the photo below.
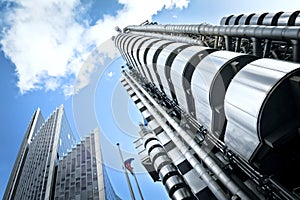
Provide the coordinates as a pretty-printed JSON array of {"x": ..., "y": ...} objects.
[{"x": 47, "y": 44}]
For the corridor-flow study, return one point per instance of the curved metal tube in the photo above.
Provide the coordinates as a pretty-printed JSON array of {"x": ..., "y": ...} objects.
[
  {"x": 248, "y": 31},
  {"x": 213, "y": 186},
  {"x": 211, "y": 164},
  {"x": 170, "y": 37}
]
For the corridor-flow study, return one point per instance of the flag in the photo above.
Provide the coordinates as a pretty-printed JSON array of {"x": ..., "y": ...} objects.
[{"x": 127, "y": 164}]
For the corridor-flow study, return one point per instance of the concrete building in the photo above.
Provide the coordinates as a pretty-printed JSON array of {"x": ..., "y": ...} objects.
[{"x": 221, "y": 104}]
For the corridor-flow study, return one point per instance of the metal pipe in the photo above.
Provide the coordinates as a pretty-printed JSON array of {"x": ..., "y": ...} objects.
[
  {"x": 296, "y": 50},
  {"x": 183, "y": 39},
  {"x": 257, "y": 49},
  {"x": 248, "y": 31},
  {"x": 210, "y": 163},
  {"x": 228, "y": 43},
  {"x": 267, "y": 48},
  {"x": 213, "y": 186},
  {"x": 216, "y": 43},
  {"x": 167, "y": 169},
  {"x": 237, "y": 45}
]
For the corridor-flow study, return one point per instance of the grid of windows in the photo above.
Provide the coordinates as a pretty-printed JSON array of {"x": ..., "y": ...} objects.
[
  {"x": 43, "y": 153},
  {"x": 53, "y": 166},
  {"x": 14, "y": 180},
  {"x": 79, "y": 174}
]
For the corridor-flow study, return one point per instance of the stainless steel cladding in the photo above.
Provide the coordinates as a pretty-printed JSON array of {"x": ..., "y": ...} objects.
[
  {"x": 164, "y": 62},
  {"x": 181, "y": 72},
  {"x": 232, "y": 117},
  {"x": 151, "y": 60},
  {"x": 268, "y": 19},
  {"x": 260, "y": 103},
  {"x": 209, "y": 84},
  {"x": 169, "y": 175},
  {"x": 280, "y": 42}
]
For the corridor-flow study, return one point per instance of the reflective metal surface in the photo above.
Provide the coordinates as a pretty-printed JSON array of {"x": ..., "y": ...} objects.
[
  {"x": 136, "y": 49},
  {"x": 162, "y": 64},
  {"x": 284, "y": 19},
  {"x": 127, "y": 51},
  {"x": 159, "y": 113},
  {"x": 151, "y": 60},
  {"x": 155, "y": 152},
  {"x": 182, "y": 193},
  {"x": 132, "y": 51},
  {"x": 172, "y": 181},
  {"x": 142, "y": 56},
  {"x": 165, "y": 170},
  {"x": 161, "y": 161},
  {"x": 244, "y": 99},
  {"x": 178, "y": 68},
  {"x": 202, "y": 80},
  {"x": 163, "y": 138},
  {"x": 271, "y": 19}
]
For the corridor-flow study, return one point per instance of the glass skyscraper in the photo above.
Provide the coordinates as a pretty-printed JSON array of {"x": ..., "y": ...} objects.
[
  {"x": 51, "y": 164},
  {"x": 81, "y": 173},
  {"x": 36, "y": 121}
]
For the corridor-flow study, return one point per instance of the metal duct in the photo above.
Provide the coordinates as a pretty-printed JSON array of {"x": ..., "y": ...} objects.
[
  {"x": 254, "y": 32},
  {"x": 269, "y": 19},
  {"x": 181, "y": 72},
  {"x": 174, "y": 38},
  {"x": 214, "y": 187},
  {"x": 260, "y": 87},
  {"x": 209, "y": 84},
  {"x": 247, "y": 31},
  {"x": 173, "y": 181},
  {"x": 151, "y": 59}
]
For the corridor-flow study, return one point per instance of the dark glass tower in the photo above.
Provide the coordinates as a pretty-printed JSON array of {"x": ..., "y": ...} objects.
[
  {"x": 49, "y": 141},
  {"x": 52, "y": 165},
  {"x": 221, "y": 102},
  {"x": 35, "y": 123}
]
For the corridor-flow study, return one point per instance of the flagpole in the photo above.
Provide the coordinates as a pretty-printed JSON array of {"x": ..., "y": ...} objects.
[
  {"x": 142, "y": 198},
  {"x": 127, "y": 178}
]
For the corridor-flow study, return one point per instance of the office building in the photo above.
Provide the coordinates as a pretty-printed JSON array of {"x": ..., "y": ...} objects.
[
  {"x": 36, "y": 121},
  {"x": 81, "y": 173},
  {"x": 51, "y": 164},
  {"x": 221, "y": 102}
]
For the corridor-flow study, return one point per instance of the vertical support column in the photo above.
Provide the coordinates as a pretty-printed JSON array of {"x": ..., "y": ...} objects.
[
  {"x": 267, "y": 48},
  {"x": 228, "y": 43},
  {"x": 296, "y": 50},
  {"x": 216, "y": 44},
  {"x": 237, "y": 45},
  {"x": 257, "y": 49}
]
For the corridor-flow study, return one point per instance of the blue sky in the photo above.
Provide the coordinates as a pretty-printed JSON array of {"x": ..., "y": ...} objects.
[{"x": 56, "y": 53}]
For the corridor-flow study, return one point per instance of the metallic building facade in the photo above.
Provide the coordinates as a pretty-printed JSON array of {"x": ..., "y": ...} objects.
[
  {"x": 222, "y": 105},
  {"x": 52, "y": 165}
]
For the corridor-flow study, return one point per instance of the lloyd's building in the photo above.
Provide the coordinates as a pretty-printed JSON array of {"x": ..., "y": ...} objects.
[{"x": 222, "y": 104}]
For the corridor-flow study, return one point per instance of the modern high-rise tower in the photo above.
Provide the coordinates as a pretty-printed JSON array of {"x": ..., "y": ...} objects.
[
  {"x": 52, "y": 165},
  {"x": 81, "y": 173},
  {"x": 34, "y": 124},
  {"x": 222, "y": 104}
]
